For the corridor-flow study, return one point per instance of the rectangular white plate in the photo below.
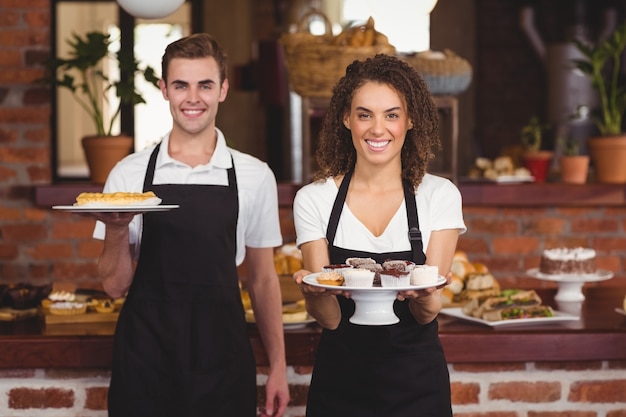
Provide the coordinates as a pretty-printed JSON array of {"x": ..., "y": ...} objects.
[
  {"x": 116, "y": 209},
  {"x": 559, "y": 316}
]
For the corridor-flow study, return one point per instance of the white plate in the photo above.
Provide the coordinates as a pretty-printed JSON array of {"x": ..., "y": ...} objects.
[
  {"x": 373, "y": 306},
  {"x": 298, "y": 324},
  {"x": 599, "y": 275},
  {"x": 620, "y": 311},
  {"x": 559, "y": 316},
  {"x": 312, "y": 280},
  {"x": 511, "y": 179},
  {"x": 116, "y": 209}
]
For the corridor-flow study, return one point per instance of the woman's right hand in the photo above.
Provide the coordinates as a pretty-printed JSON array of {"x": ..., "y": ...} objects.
[{"x": 307, "y": 289}]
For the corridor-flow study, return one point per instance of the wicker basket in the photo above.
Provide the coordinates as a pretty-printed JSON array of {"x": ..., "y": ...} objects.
[
  {"x": 448, "y": 75},
  {"x": 314, "y": 64}
]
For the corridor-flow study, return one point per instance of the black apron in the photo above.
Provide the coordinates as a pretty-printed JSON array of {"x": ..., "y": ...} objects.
[
  {"x": 181, "y": 344},
  {"x": 396, "y": 370}
]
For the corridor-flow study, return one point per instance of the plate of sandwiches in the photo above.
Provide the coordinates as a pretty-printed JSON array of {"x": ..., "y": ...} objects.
[
  {"x": 509, "y": 307},
  {"x": 122, "y": 202}
]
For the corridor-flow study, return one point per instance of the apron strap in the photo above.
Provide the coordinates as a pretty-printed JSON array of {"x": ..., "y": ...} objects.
[{"x": 414, "y": 235}]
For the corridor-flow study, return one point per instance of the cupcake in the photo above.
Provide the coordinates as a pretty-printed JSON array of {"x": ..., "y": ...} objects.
[
  {"x": 424, "y": 275},
  {"x": 330, "y": 278},
  {"x": 395, "y": 278},
  {"x": 357, "y": 277}
]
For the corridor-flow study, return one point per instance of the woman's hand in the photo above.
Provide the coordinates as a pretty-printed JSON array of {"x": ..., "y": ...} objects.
[{"x": 313, "y": 290}]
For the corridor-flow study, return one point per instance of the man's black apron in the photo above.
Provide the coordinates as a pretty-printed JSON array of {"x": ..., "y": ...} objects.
[
  {"x": 397, "y": 370},
  {"x": 181, "y": 345}
]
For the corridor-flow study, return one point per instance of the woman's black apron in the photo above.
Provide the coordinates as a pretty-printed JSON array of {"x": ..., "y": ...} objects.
[
  {"x": 181, "y": 344},
  {"x": 396, "y": 370}
]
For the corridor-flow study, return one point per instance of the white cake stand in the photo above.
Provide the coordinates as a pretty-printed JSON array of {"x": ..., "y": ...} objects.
[
  {"x": 373, "y": 306},
  {"x": 570, "y": 286}
]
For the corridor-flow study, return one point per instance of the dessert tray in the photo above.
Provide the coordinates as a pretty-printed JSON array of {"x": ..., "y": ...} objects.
[
  {"x": 110, "y": 208},
  {"x": 373, "y": 305},
  {"x": 559, "y": 316},
  {"x": 570, "y": 285}
]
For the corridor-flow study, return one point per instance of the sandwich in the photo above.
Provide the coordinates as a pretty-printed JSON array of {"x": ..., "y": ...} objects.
[{"x": 508, "y": 304}]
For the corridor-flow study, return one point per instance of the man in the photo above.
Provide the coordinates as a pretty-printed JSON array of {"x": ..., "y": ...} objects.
[{"x": 181, "y": 344}]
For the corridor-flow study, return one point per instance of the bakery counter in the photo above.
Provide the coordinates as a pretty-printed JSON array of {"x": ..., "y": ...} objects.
[{"x": 600, "y": 334}]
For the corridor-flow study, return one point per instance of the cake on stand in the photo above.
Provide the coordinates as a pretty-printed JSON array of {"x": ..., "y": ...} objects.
[{"x": 570, "y": 285}]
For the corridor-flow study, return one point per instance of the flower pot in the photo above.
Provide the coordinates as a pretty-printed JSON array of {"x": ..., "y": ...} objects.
[
  {"x": 538, "y": 163},
  {"x": 608, "y": 156},
  {"x": 103, "y": 152},
  {"x": 574, "y": 168}
]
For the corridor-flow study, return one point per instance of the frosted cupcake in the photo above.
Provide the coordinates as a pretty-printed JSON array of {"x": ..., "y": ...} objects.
[
  {"x": 395, "y": 278},
  {"x": 400, "y": 265},
  {"x": 358, "y": 277},
  {"x": 424, "y": 275}
]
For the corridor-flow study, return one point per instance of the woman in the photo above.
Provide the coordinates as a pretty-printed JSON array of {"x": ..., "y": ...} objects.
[{"x": 371, "y": 188}]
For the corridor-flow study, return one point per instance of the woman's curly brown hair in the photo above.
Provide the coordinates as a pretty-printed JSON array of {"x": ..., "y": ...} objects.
[{"x": 335, "y": 153}]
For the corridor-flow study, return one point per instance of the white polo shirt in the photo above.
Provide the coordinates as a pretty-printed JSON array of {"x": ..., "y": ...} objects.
[{"x": 258, "y": 225}]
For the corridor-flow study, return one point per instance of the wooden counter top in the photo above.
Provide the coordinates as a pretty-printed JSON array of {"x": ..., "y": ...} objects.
[{"x": 599, "y": 335}]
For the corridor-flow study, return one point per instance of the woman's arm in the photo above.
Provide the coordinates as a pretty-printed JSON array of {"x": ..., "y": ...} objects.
[
  {"x": 320, "y": 303},
  {"x": 440, "y": 252}
]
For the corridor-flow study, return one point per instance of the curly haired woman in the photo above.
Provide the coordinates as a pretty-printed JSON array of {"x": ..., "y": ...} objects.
[{"x": 372, "y": 187}]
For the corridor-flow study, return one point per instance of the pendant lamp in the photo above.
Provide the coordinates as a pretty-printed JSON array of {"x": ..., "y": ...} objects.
[{"x": 152, "y": 9}]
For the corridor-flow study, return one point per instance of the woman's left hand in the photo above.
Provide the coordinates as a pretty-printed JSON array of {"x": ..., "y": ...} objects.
[{"x": 426, "y": 292}]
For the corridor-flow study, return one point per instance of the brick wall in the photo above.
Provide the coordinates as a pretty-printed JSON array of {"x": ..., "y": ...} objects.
[{"x": 535, "y": 389}]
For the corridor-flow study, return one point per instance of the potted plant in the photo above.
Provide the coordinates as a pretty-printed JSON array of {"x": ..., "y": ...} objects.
[
  {"x": 573, "y": 165},
  {"x": 83, "y": 74},
  {"x": 535, "y": 159},
  {"x": 602, "y": 63}
]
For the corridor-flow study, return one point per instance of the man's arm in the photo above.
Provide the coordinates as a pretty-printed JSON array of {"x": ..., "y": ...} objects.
[
  {"x": 263, "y": 285},
  {"x": 116, "y": 265}
]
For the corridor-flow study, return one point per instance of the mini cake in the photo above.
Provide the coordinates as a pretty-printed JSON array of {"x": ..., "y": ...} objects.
[
  {"x": 330, "y": 278},
  {"x": 559, "y": 261},
  {"x": 395, "y": 278},
  {"x": 358, "y": 277},
  {"x": 377, "y": 268},
  {"x": 66, "y": 308},
  {"x": 424, "y": 274},
  {"x": 399, "y": 265}
]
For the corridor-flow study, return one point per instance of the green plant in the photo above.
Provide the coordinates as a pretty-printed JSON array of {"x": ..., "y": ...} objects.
[
  {"x": 602, "y": 64},
  {"x": 83, "y": 74},
  {"x": 532, "y": 134},
  {"x": 569, "y": 146}
]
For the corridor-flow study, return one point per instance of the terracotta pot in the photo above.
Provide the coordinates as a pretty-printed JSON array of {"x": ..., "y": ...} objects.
[
  {"x": 574, "y": 169},
  {"x": 103, "y": 152},
  {"x": 538, "y": 163},
  {"x": 608, "y": 156}
]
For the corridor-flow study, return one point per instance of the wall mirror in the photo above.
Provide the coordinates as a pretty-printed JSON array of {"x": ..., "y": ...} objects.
[{"x": 148, "y": 122}]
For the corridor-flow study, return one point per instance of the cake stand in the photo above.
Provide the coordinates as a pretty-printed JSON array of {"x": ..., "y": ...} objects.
[
  {"x": 373, "y": 306},
  {"x": 571, "y": 285}
]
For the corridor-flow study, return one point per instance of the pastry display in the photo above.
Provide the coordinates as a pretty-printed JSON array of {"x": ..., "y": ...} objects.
[
  {"x": 287, "y": 259},
  {"x": 470, "y": 280},
  {"x": 358, "y": 277},
  {"x": 424, "y": 274},
  {"x": 508, "y": 305},
  {"x": 66, "y": 308},
  {"x": 117, "y": 199},
  {"x": 559, "y": 261}
]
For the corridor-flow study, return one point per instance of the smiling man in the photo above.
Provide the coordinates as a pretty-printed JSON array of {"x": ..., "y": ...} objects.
[{"x": 181, "y": 343}]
